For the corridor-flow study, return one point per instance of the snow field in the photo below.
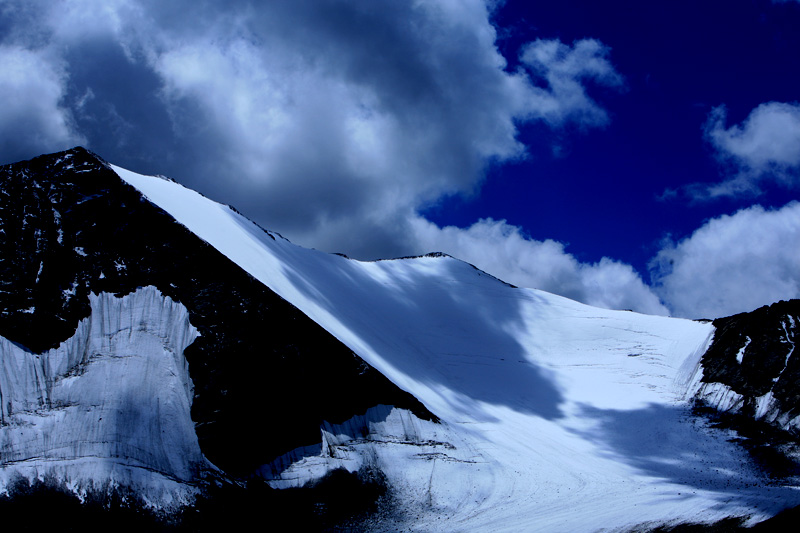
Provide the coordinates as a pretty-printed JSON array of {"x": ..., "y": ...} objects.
[{"x": 561, "y": 416}]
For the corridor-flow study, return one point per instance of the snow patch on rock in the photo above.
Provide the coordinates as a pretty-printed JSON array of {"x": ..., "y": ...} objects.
[
  {"x": 720, "y": 397},
  {"x": 382, "y": 438},
  {"x": 740, "y": 354}
]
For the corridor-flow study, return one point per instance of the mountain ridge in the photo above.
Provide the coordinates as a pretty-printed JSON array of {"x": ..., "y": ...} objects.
[
  {"x": 113, "y": 241},
  {"x": 448, "y": 386}
]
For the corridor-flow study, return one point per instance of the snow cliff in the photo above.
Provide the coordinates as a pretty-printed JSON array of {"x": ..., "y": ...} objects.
[{"x": 109, "y": 407}]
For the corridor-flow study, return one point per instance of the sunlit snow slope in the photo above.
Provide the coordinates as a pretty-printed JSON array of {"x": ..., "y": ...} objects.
[{"x": 564, "y": 417}]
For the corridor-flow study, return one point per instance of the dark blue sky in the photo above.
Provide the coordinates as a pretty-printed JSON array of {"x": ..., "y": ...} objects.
[{"x": 603, "y": 193}]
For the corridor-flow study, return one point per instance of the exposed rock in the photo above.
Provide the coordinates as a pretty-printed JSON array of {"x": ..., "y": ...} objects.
[{"x": 752, "y": 367}]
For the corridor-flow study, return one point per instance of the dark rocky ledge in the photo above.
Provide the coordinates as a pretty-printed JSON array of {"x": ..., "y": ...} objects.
[{"x": 754, "y": 354}]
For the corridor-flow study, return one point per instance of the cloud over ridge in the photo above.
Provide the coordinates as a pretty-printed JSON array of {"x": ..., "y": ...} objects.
[
  {"x": 32, "y": 117},
  {"x": 338, "y": 122},
  {"x": 732, "y": 263}
]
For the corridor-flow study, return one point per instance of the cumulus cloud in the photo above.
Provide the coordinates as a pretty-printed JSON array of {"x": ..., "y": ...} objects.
[
  {"x": 33, "y": 118},
  {"x": 765, "y": 147},
  {"x": 732, "y": 264},
  {"x": 350, "y": 115},
  {"x": 504, "y": 251},
  {"x": 565, "y": 69},
  {"x": 312, "y": 115},
  {"x": 336, "y": 122},
  {"x": 333, "y": 122}
]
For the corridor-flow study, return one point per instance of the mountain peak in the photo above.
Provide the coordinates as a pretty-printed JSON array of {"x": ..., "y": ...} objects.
[{"x": 439, "y": 396}]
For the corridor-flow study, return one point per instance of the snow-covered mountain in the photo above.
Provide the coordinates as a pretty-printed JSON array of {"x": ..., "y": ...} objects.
[{"x": 159, "y": 345}]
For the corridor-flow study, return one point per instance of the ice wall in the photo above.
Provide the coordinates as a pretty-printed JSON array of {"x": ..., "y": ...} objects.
[{"x": 108, "y": 408}]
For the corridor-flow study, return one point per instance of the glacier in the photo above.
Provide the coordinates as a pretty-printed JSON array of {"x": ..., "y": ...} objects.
[
  {"x": 553, "y": 415},
  {"x": 109, "y": 408}
]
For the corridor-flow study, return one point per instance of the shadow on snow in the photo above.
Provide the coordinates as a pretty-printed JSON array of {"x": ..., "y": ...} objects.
[
  {"x": 670, "y": 443},
  {"x": 438, "y": 321}
]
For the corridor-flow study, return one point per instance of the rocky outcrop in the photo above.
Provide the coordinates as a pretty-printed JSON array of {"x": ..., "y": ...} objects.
[{"x": 752, "y": 367}]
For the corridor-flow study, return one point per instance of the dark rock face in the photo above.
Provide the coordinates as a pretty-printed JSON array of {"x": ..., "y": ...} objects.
[
  {"x": 265, "y": 375},
  {"x": 754, "y": 354}
]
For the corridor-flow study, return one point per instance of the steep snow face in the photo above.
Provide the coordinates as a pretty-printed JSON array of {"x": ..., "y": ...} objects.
[
  {"x": 557, "y": 416},
  {"x": 108, "y": 408}
]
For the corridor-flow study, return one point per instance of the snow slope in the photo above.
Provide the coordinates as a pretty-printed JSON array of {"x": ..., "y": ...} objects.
[{"x": 555, "y": 415}]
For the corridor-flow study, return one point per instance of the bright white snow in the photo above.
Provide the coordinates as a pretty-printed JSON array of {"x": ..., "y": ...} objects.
[
  {"x": 109, "y": 407},
  {"x": 557, "y": 416},
  {"x": 740, "y": 353}
]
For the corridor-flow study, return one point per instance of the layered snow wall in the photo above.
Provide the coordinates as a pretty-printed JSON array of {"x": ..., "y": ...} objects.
[{"x": 109, "y": 408}]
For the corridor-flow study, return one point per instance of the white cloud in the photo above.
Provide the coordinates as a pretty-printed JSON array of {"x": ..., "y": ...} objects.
[
  {"x": 503, "y": 251},
  {"x": 335, "y": 122},
  {"x": 732, "y": 264},
  {"x": 565, "y": 68},
  {"x": 32, "y": 116},
  {"x": 352, "y": 115},
  {"x": 78, "y": 20},
  {"x": 314, "y": 114},
  {"x": 332, "y": 122},
  {"x": 765, "y": 147}
]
